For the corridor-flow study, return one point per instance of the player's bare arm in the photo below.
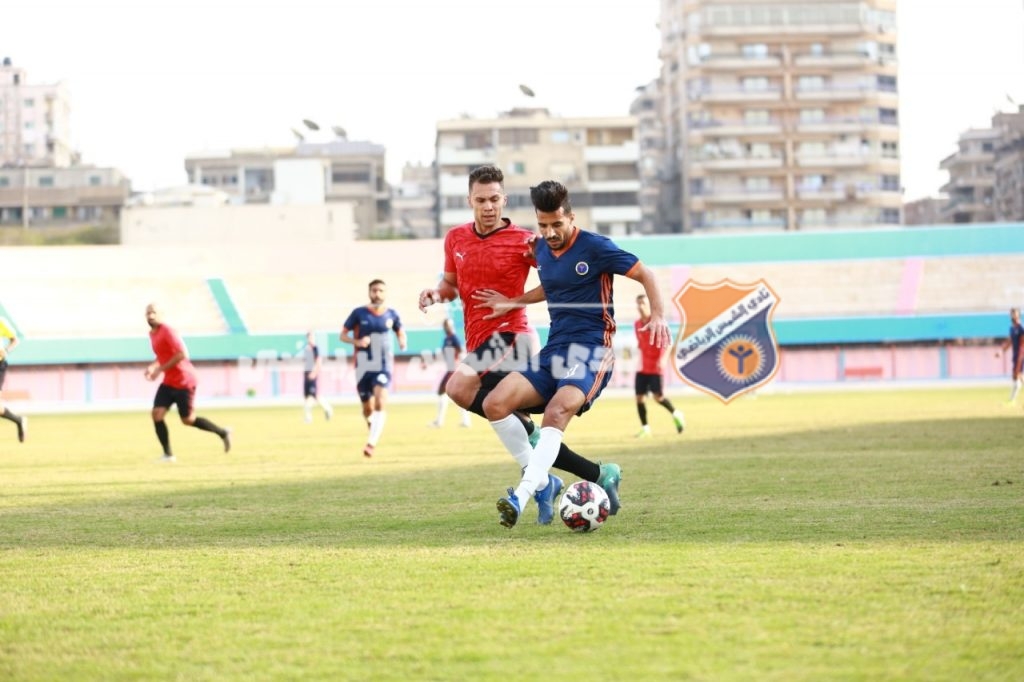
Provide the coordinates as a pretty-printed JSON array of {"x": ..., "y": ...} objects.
[
  {"x": 657, "y": 326},
  {"x": 501, "y": 304},
  {"x": 446, "y": 290}
]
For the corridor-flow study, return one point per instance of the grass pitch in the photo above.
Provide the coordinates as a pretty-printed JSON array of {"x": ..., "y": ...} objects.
[{"x": 849, "y": 536}]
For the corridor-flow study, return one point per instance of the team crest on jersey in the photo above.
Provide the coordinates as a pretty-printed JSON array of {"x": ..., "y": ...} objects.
[
  {"x": 726, "y": 345},
  {"x": 582, "y": 268}
]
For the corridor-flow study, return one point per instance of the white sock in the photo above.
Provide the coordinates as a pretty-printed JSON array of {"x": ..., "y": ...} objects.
[
  {"x": 323, "y": 406},
  {"x": 377, "y": 420},
  {"x": 442, "y": 409},
  {"x": 535, "y": 476},
  {"x": 465, "y": 417},
  {"x": 1016, "y": 389},
  {"x": 513, "y": 437},
  {"x": 307, "y": 410}
]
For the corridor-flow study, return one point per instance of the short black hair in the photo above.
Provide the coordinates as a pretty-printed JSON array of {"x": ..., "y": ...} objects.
[
  {"x": 549, "y": 196},
  {"x": 485, "y": 175},
  {"x": 376, "y": 281}
]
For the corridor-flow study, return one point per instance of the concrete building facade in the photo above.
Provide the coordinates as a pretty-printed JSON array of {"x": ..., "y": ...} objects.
[
  {"x": 351, "y": 172},
  {"x": 780, "y": 115},
  {"x": 596, "y": 158}
]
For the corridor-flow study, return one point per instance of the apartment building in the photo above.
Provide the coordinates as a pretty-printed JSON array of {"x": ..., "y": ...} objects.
[
  {"x": 972, "y": 178},
  {"x": 339, "y": 170},
  {"x": 1008, "y": 193},
  {"x": 781, "y": 115},
  {"x": 59, "y": 197},
  {"x": 596, "y": 158},
  {"x": 414, "y": 203},
  {"x": 986, "y": 173},
  {"x": 35, "y": 120}
]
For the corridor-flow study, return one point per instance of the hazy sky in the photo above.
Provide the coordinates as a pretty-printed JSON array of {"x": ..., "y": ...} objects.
[{"x": 153, "y": 80}]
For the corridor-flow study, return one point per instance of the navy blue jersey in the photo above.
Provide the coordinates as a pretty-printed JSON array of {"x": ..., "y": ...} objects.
[
  {"x": 1016, "y": 338},
  {"x": 363, "y": 322},
  {"x": 451, "y": 347},
  {"x": 578, "y": 287}
]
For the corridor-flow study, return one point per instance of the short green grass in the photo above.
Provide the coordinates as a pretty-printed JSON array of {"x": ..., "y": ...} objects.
[{"x": 840, "y": 536}]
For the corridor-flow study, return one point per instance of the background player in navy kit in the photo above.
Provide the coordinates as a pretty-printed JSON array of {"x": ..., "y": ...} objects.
[
  {"x": 1015, "y": 343},
  {"x": 451, "y": 351},
  {"x": 368, "y": 329},
  {"x": 311, "y": 366}
]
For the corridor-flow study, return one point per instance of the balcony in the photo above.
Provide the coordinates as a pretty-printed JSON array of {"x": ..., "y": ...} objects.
[
  {"x": 737, "y": 94},
  {"x": 464, "y": 157},
  {"x": 834, "y": 159},
  {"x": 739, "y": 62},
  {"x": 628, "y": 152},
  {"x": 741, "y": 195},
  {"x": 615, "y": 214},
  {"x": 733, "y": 128},
  {"x": 613, "y": 186},
  {"x": 740, "y": 162}
]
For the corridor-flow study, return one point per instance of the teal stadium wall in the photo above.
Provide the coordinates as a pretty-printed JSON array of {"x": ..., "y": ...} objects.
[{"x": 842, "y": 289}]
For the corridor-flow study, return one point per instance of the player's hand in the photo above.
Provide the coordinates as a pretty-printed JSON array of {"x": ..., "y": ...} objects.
[
  {"x": 498, "y": 303},
  {"x": 657, "y": 327},
  {"x": 531, "y": 247},
  {"x": 363, "y": 342},
  {"x": 151, "y": 372},
  {"x": 429, "y": 297}
]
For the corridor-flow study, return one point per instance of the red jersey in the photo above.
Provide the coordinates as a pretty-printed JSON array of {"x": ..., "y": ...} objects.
[
  {"x": 166, "y": 344},
  {"x": 651, "y": 357},
  {"x": 499, "y": 261}
]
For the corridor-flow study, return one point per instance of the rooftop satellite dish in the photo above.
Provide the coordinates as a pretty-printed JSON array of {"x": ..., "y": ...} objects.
[
  {"x": 310, "y": 124},
  {"x": 339, "y": 132},
  {"x": 298, "y": 136},
  {"x": 526, "y": 90}
]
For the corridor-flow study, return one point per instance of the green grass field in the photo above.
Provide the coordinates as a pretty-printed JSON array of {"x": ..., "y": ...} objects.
[{"x": 839, "y": 536}]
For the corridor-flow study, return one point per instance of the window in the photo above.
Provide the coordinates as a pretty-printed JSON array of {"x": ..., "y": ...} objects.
[
  {"x": 518, "y": 168},
  {"x": 518, "y": 136},
  {"x": 95, "y": 180},
  {"x": 758, "y": 183},
  {"x": 812, "y": 115},
  {"x": 816, "y": 49},
  {"x": 29, "y": 103},
  {"x": 890, "y": 150},
  {"x": 755, "y": 116},
  {"x": 887, "y": 83},
  {"x": 46, "y": 181},
  {"x": 888, "y": 116},
  {"x": 347, "y": 175},
  {"x": 5, "y": 181},
  {"x": 891, "y": 183},
  {"x": 29, "y": 125},
  {"x": 890, "y": 215},
  {"x": 811, "y": 83},
  {"x": 60, "y": 212},
  {"x": 755, "y": 83},
  {"x": 813, "y": 216},
  {"x": 560, "y": 136},
  {"x": 755, "y": 50},
  {"x": 477, "y": 140}
]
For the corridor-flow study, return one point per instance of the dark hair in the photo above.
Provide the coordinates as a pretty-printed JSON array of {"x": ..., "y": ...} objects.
[
  {"x": 485, "y": 175},
  {"x": 376, "y": 281},
  {"x": 549, "y": 196}
]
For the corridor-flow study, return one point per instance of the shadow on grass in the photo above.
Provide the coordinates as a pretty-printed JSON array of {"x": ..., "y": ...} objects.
[{"x": 951, "y": 480}]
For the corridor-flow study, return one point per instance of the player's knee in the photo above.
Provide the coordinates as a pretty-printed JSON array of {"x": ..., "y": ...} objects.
[
  {"x": 496, "y": 406},
  {"x": 462, "y": 390}
]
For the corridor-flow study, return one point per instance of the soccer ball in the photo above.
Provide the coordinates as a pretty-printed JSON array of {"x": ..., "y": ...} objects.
[{"x": 584, "y": 506}]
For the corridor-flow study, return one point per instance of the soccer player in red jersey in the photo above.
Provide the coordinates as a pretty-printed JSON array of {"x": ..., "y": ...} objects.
[
  {"x": 494, "y": 254},
  {"x": 179, "y": 383},
  {"x": 652, "y": 368}
]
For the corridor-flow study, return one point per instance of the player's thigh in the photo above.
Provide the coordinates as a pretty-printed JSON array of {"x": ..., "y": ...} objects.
[
  {"x": 463, "y": 385},
  {"x": 515, "y": 391}
]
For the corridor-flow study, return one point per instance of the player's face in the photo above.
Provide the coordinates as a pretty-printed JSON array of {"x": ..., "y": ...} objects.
[
  {"x": 377, "y": 294},
  {"x": 556, "y": 228},
  {"x": 487, "y": 201},
  {"x": 1015, "y": 316},
  {"x": 152, "y": 316}
]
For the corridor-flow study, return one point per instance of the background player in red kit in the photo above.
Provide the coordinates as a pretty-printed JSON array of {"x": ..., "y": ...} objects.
[
  {"x": 179, "y": 383},
  {"x": 492, "y": 253},
  {"x": 650, "y": 374}
]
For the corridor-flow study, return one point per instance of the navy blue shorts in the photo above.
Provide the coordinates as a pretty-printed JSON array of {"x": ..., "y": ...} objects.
[
  {"x": 370, "y": 381},
  {"x": 588, "y": 368}
]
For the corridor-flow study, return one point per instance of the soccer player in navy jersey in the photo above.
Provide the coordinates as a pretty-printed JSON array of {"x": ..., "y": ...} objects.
[
  {"x": 7, "y": 332},
  {"x": 576, "y": 270},
  {"x": 178, "y": 386},
  {"x": 311, "y": 366},
  {"x": 651, "y": 372},
  {"x": 1015, "y": 344},
  {"x": 451, "y": 353},
  {"x": 368, "y": 329},
  {"x": 491, "y": 253}
]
